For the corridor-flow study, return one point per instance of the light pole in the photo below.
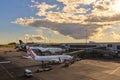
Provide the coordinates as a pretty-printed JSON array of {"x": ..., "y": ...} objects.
[{"x": 86, "y": 36}]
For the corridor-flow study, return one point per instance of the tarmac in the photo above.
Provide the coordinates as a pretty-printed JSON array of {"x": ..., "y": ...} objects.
[{"x": 87, "y": 69}]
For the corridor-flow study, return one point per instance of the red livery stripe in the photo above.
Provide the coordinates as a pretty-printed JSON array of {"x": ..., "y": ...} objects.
[{"x": 30, "y": 53}]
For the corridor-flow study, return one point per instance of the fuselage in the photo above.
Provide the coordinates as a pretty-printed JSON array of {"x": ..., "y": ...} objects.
[
  {"x": 49, "y": 49},
  {"x": 53, "y": 58},
  {"x": 32, "y": 52}
]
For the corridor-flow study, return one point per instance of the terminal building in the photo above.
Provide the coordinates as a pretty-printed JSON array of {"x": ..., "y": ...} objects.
[{"x": 113, "y": 46}]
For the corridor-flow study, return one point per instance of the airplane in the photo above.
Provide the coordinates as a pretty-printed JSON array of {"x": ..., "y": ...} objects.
[
  {"x": 52, "y": 50},
  {"x": 22, "y": 47},
  {"x": 33, "y": 53}
]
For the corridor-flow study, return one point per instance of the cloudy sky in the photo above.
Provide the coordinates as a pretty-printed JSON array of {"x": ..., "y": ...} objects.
[{"x": 60, "y": 20}]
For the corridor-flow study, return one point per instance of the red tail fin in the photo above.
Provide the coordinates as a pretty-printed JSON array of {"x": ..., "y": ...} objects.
[{"x": 30, "y": 52}]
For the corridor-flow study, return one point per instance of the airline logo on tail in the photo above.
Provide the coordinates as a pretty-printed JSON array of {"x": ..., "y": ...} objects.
[{"x": 30, "y": 53}]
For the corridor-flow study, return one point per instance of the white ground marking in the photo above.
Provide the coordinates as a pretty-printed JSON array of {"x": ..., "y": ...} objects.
[{"x": 115, "y": 70}]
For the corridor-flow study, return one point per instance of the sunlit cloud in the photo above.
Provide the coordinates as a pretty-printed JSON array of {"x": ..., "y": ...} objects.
[
  {"x": 75, "y": 17},
  {"x": 115, "y": 36},
  {"x": 46, "y": 35}
]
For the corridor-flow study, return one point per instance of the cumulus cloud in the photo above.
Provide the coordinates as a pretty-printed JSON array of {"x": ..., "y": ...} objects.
[
  {"x": 115, "y": 36},
  {"x": 75, "y": 17},
  {"x": 35, "y": 37},
  {"x": 43, "y": 7},
  {"x": 72, "y": 29},
  {"x": 100, "y": 33},
  {"x": 46, "y": 35}
]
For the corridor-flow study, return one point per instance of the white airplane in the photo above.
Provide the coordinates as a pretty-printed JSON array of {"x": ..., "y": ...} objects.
[
  {"x": 32, "y": 52},
  {"x": 42, "y": 49},
  {"x": 50, "y": 49}
]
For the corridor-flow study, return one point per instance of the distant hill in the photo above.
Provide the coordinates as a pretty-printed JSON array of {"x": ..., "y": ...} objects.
[{"x": 12, "y": 43}]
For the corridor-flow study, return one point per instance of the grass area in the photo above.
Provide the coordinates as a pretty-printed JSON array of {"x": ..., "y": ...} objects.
[{"x": 7, "y": 46}]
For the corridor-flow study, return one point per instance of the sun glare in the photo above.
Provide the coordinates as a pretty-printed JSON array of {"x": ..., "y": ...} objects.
[{"x": 116, "y": 6}]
